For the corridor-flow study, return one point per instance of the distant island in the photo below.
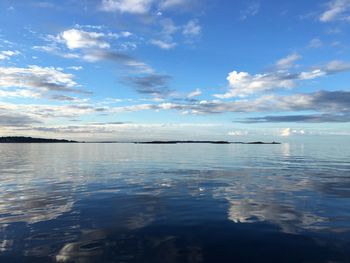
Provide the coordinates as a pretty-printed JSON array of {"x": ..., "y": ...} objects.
[
  {"x": 22, "y": 139},
  {"x": 207, "y": 142}
]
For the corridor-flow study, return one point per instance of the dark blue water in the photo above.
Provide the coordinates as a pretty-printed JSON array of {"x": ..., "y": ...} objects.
[{"x": 175, "y": 203}]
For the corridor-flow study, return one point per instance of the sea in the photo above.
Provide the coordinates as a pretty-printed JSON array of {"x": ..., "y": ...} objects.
[{"x": 125, "y": 202}]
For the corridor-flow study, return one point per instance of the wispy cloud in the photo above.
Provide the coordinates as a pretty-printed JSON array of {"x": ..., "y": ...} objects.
[
  {"x": 43, "y": 78},
  {"x": 7, "y": 54},
  {"x": 192, "y": 28},
  {"x": 119, "y": 58},
  {"x": 163, "y": 44},
  {"x": 167, "y": 4},
  {"x": 336, "y": 10},
  {"x": 164, "y": 38},
  {"x": 288, "y": 61},
  {"x": 315, "y": 43},
  {"x": 127, "y": 6},
  {"x": 194, "y": 93},
  {"x": 251, "y": 9},
  {"x": 142, "y": 7},
  {"x": 306, "y": 118}
]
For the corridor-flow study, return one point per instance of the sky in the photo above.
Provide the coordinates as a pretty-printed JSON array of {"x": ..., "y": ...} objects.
[{"x": 129, "y": 70}]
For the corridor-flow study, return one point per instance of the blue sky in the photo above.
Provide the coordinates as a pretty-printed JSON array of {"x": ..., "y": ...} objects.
[{"x": 174, "y": 69}]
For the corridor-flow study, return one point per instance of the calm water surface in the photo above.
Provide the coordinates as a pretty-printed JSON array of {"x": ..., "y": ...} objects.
[{"x": 175, "y": 203}]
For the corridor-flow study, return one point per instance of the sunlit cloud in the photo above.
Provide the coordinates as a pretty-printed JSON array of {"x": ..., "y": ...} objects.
[{"x": 243, "y": 83}]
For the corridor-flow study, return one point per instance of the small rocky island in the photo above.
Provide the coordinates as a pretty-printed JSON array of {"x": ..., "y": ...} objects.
[{"x": 22, "y": 139}]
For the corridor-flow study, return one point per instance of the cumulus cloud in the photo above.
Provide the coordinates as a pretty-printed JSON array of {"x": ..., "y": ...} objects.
[
  {"x": 243, "y": 84},
  {"x": 7, "y": 54},
  {"x": 336, "y": 10},
  {"x": 75, "y": 39}
]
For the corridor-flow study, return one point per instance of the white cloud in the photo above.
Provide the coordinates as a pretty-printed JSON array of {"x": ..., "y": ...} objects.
[
  {"x": 288, "y": 61},
  {"x": 140, "y": 7},
  {"x": 75, "y": 38},
  {"x": 286, "y": 132},
  {"x": 163, "y": 44},
  {"x": 337, "y": 10},
  {"x": 243, "y": 84},
  {"x": 126, "y": 34},
  {"x": 192, "y": 28},
  {"x": 128, "y": 46},
  {"x": 312, "y": 74},
  {"x": 7, "y": 54},
  {"x": 127, "y": 6},
  {"x": 238, "y": 133},
  {"x": 194, "y": 93},
  {"x": 76, "y": 68},
  {"x": 48, "y": 49},
  {"x": 22, "y": 93},
  {"x": 165, "y": 37},
  {"x": 337, "y": 66},
  {"x": 44, "y": 78}
]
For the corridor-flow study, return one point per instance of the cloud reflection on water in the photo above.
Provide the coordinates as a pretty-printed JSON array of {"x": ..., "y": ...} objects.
[{"x": 99, "y": 203}]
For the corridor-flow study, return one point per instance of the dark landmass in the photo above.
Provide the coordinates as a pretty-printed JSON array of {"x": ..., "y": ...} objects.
[
  {"x": 21, "y": 139},
  {"x": 260, "y": 142},
  {"x": 208, "y": 142}
]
